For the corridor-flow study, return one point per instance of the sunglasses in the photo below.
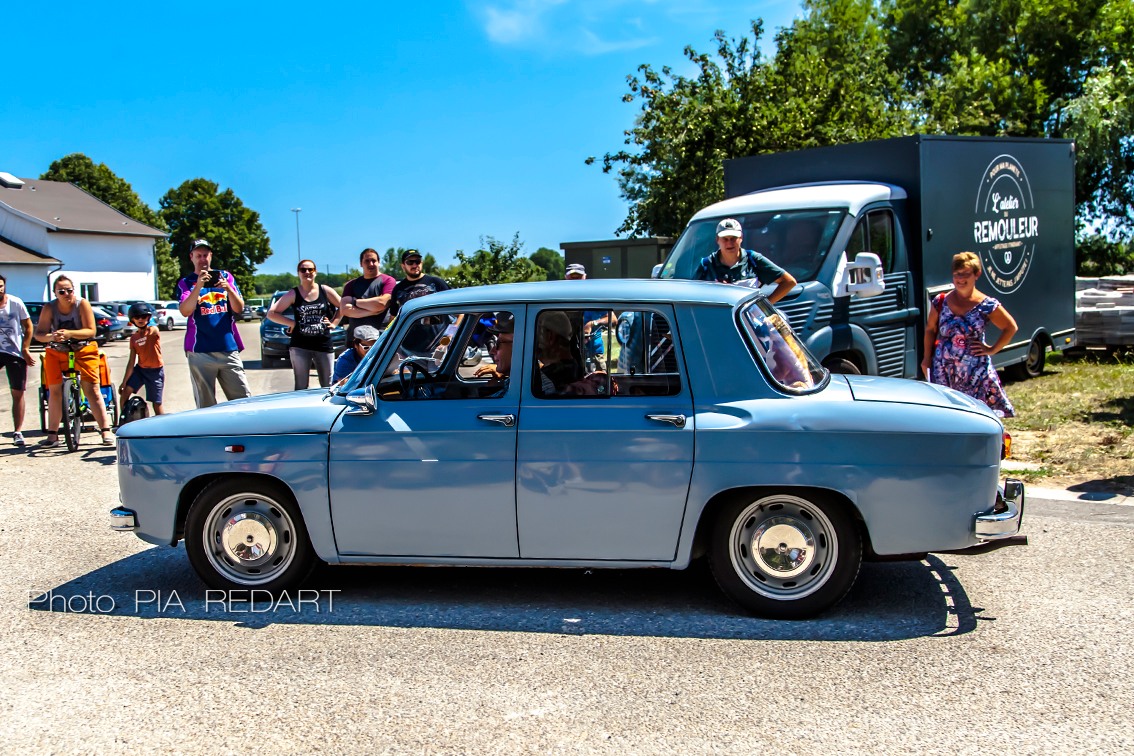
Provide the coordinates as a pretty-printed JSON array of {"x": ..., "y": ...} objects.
[
  {"x": 64, "y": 291},
  {"x": 306, "y": 270},
  {"x": 413, "y": 262}
]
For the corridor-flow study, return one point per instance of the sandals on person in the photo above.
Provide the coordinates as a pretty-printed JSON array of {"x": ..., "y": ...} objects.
[
  {"x": 51, "y": 441},
  {"x": 106, "y": 441}
]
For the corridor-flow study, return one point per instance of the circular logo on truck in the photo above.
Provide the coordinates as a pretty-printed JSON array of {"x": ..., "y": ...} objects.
[{"x": 1005, "y": 224}]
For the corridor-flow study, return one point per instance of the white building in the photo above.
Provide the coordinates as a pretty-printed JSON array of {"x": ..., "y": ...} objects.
[{"x": 51, "y": 228}]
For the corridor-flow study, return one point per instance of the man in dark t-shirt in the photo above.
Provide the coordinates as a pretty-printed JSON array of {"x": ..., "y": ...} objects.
[
  {"x": 731, "y": 263},
  {"x": 365, "y": 300},
  {"x": 415, "y": 284}
]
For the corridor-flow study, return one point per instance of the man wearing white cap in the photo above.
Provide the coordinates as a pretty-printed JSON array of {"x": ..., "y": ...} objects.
[{"x": 732, "y": 263}]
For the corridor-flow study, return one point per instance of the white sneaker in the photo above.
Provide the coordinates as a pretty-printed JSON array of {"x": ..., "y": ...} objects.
[{"x": 18, "y": 439}]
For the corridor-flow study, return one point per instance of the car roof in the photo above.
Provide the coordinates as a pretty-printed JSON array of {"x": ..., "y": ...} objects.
[
  {"x": 621, "y": 290},
  {"x": 851, "y": 195}
]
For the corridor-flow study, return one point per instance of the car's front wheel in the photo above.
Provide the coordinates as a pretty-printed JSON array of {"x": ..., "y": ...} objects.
[
  {"x": 785, "y": 556},
  {"x": 169, "y": 324},
  {"x": 248, "y": 534}
]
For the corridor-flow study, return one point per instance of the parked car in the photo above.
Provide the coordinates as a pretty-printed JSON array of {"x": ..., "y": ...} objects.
[
  {"x": 107, "y": 326},
  {"x": 274, "y": 339},
  {"x": 119, "y": 310},
  {"x": 166, "y": 314},
  {"x": 710, "y": 431}
]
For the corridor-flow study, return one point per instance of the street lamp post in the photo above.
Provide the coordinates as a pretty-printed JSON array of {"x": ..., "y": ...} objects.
[{"x": 298, "y": 249}]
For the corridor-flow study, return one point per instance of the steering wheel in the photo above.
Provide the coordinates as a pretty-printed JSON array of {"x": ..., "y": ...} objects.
[{"x": 418, "y": 375}]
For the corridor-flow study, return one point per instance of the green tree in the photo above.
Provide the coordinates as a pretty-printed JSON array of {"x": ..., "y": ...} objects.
[
  {"x": 101, "y": 182},
  {"x": 1032, "y": 68},
  {"x": 198, "y": 209},
  {"x": 551, "y": 261},
  {"x": 827, "y": 84},
  {"x": 496, "y": 262}
]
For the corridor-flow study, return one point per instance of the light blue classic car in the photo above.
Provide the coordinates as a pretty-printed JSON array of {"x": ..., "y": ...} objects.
[{"x": 614, "y": 424}]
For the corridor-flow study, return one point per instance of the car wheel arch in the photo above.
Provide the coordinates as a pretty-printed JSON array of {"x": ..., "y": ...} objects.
[
  {"x": 193, "y": 488},
  {"x": 720, "y": 500}
]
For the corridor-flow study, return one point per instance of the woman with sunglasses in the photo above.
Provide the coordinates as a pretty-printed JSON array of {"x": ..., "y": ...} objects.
[
  {"x": 67, "y": 324},
  {"x": 313, "y": 306}
]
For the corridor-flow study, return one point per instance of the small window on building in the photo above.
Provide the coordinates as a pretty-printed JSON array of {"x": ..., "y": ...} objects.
[{"x": 89, "y": 291}]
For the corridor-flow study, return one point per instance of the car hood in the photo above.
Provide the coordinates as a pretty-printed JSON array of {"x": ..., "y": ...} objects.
[
  {"x": 870, "y": 388},
  {"x": 272, "y": 414}
]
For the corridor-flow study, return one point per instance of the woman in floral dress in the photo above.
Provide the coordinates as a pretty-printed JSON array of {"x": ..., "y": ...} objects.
[{"x": 955, "y": 353}]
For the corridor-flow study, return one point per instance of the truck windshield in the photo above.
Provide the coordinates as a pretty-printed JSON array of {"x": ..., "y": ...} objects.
[
  {"x": 796, "y": 240},
  {"x": 775, "y": 346}
]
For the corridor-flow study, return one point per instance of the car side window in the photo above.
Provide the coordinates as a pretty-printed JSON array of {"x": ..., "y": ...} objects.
[
  {"x": 604, "y": 353},
  {"x": 465, "y": 355}
]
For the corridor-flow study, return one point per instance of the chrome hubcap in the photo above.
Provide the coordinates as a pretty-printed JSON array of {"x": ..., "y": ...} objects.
[
  {"x": 248, "y": 537},
  {"x": 783, "y": 547}
]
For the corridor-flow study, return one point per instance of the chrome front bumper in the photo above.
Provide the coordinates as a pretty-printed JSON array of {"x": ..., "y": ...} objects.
[
  {"x": 1003, "y": 520},
  {"x": 123, "y": 519}
]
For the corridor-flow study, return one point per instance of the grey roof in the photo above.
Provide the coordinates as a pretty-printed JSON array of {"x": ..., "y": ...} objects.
[
  {"x": 65, "y": 207},
  {"x": 622, "y": 290},
  {"x": 13, "y": 254}
]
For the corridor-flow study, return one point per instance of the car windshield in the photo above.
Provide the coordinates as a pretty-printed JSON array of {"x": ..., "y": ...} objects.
[
  {"x": 796, "y": 240},
  {"x": 776, "y": 348}
]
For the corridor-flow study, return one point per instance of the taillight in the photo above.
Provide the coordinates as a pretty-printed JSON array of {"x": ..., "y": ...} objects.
[
  {"x": 103, "y": 322},
  {"x": 1006, "y": 446}
]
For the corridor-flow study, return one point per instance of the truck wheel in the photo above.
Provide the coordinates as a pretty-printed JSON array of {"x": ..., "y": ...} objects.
[
  {"x": 785, "y": 556},
  {"x": 244, "y": 534},
  {"x": 1034, "y": 364},
  {"x": 842, "y": 366}
]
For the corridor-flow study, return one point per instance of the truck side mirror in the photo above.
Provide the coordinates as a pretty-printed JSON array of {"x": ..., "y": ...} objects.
[{"x": 861, "y": 278}]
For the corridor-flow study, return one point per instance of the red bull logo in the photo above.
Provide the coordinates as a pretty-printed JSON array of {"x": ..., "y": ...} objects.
[{"x": 212, "y": 303}]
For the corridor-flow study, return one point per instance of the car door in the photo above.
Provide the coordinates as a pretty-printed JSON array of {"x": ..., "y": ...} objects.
[
  {"x": 603, "y": 461},
  {"x": 431, "y": 471}
]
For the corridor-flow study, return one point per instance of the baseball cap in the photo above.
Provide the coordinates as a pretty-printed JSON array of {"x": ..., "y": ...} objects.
[
  {"x": 556, "y": 321},
  {"x": 365, "y": 333},
  {"x": 576, "y": 268},
  {"x": 200, "y": 243},
  {"x": 729, "y": 227},
  {"x": 410, "y": 253},
  {"x": 505, "y": 323}
]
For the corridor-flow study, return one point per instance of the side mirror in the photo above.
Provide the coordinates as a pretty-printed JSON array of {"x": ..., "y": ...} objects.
[
  {"x": 362, "y": 401},
  {"x": 656, "y": 270},
  {"x": 861, "y": 278}
]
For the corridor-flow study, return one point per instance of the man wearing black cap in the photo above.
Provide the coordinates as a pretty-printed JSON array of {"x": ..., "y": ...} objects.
[
  {"x": 502, "y": 334},
  {"x": 210, "y": 300},
  {"x": 415, "y": 284}
]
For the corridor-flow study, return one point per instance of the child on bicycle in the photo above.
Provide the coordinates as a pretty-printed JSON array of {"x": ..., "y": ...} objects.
[{"x": 144, "y": 366}]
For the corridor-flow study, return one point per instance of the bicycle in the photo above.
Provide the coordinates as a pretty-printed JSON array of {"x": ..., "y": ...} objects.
[{"x": 75, "y": 405}]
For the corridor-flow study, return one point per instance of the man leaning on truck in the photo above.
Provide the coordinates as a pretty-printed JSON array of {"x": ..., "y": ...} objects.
[{"x": 732, "y": 263}]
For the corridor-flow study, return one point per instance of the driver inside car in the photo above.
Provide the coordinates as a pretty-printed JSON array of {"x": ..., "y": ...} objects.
[{"x": 502, "y": 334}]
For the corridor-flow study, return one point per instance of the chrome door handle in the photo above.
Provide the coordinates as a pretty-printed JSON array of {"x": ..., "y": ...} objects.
[
  {"x": 506, "y": 420},
  {"x": 678, "y": 421}
]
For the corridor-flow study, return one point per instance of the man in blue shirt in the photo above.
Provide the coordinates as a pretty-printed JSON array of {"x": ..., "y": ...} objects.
[
  {"x": 732, "y": 263},
  {"x": 212, "y": 342}
]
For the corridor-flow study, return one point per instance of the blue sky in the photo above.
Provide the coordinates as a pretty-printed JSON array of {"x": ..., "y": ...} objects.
[{"x": 391, "y": 125}]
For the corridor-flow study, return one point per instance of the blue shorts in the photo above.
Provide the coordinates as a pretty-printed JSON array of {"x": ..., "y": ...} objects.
[{"x": 153, "y": 378}]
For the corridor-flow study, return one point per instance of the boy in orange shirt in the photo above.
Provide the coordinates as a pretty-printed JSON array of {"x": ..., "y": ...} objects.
[{"x": 145, "y": 350}]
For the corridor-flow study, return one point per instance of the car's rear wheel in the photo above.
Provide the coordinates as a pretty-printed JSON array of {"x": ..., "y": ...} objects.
[
  {"x": 248, "y": 534},
  {"x": 785, "y": 556}
]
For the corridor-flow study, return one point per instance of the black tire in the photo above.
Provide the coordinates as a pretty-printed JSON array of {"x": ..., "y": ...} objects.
[
  {"x": 247, "y": 533},
  {"x": 1034, "y": 364},
  {"x": 842, "y": 366},
  {"x": 43, "y": 408},
  {"x": 169, "y": 324},
  {"x": 72, "y": 413},
  {"x": 810, "y": 558},
  {"x": 112, "y": 411}
]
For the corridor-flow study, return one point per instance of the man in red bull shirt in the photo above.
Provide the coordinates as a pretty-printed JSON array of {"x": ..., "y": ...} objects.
[{"x": 211, "y": 300}]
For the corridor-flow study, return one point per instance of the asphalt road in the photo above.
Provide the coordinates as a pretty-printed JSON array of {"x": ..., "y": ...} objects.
[{"x": 110, "y": 645}]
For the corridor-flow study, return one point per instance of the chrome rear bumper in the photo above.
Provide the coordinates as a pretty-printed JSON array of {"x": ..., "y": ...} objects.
[
  {"x": 123, "y": 519},
  {"x": 1003, "y": 520}
]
